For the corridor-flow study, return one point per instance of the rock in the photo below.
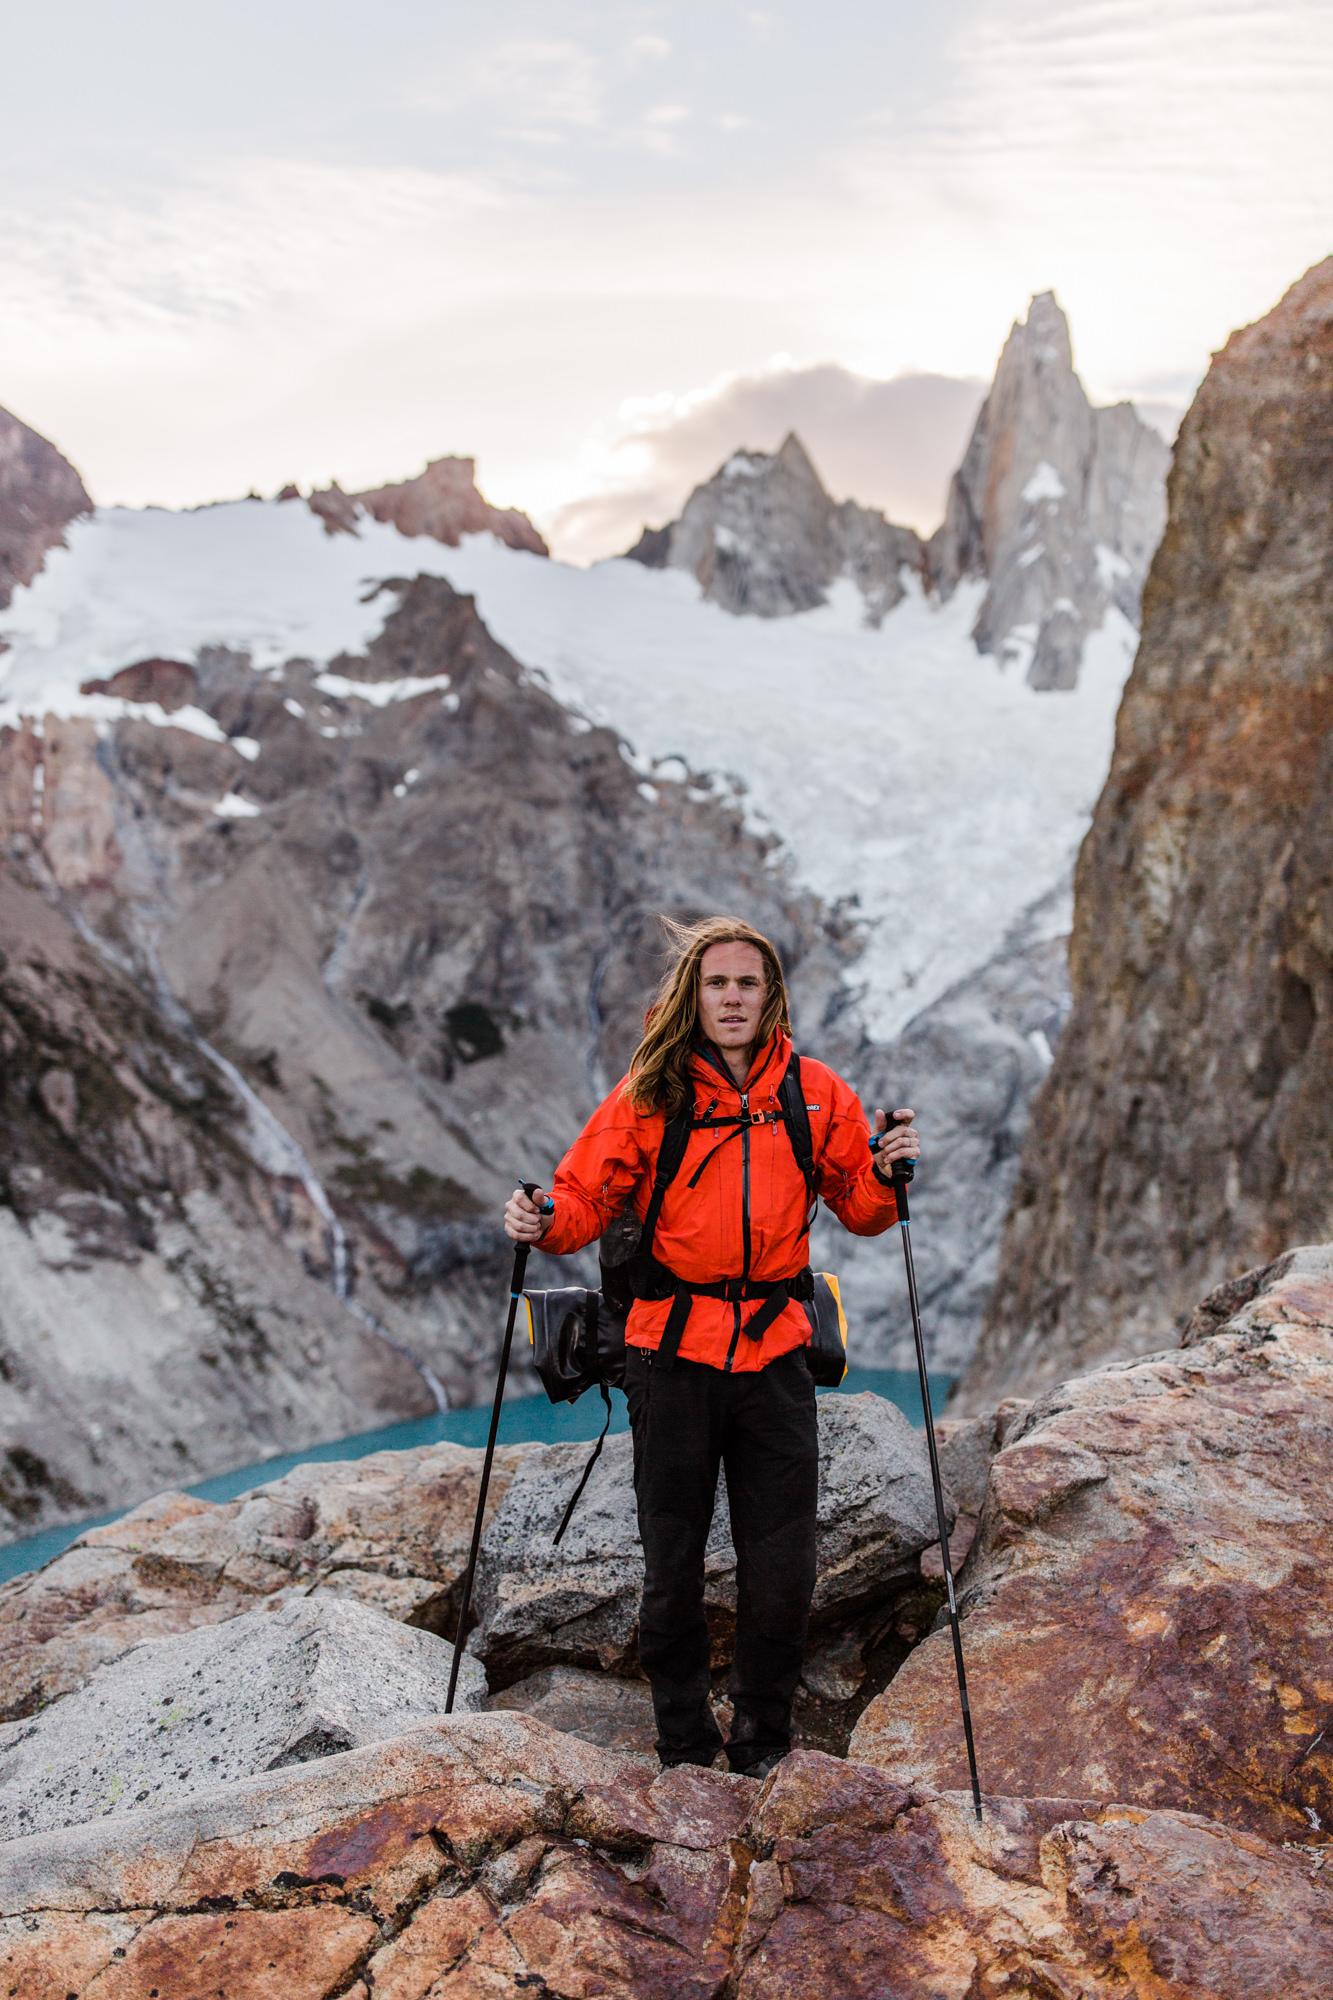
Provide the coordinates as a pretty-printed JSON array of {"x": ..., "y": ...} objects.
[
  {"x": 598, "y": 1708},
  {"x": 1057, "y": 505},
  {"x": 442, "y": 501},
  {"x": 391, "y": 1530},
  {"x": 967, "y": 1448},
  {"x": 491, "y": 1854},
  {"x": 199, "y": 1709},
  {"x": 1148, "y": 1602},
  {"x": 1183, "y": 1134},
  {"x": 578, "y": 1605},
  {"x": 170, "y": 683},
  {"x": 762, "y": 536},
  {"x": 337, "y": 510},
  {"x": 40, "y": 494}
]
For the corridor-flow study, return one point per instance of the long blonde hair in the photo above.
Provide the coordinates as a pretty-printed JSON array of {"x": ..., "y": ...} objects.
[{"x": 659, "y": 1071}]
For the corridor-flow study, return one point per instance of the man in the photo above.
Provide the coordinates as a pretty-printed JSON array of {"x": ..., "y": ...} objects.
[{"x": 715, "y": 1373}]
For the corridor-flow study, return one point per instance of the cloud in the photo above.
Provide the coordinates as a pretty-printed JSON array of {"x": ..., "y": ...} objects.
[
  {"x": 888, "y": 444},
  {"x": 237, "y": 254}
]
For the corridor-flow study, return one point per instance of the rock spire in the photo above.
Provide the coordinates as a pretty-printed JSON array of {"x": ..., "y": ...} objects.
[{"x": 1058, "y": 505}]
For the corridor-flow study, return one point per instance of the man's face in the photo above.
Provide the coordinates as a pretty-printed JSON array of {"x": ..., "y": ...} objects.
[{"x": 731, "y": 994}]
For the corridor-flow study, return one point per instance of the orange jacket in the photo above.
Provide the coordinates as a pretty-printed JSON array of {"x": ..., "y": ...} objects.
[{"x": 701, "y": 1232}]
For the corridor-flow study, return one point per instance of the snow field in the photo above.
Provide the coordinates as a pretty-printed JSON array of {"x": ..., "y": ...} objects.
[{"x": 901, "y": 771}]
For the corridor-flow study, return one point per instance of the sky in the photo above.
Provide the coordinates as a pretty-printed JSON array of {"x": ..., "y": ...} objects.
[{"x": 599, "y": 246}]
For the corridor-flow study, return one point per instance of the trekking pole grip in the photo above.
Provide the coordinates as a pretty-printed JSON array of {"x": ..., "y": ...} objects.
[{"x": 900, "y": 1171}]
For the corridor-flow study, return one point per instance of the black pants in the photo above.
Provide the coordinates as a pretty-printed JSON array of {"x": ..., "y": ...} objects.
[{"x": 687, "y": 1420}]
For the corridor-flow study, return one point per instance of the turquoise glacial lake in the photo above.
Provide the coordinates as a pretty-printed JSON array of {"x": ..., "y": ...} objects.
[{"x": 522, "y": 1420}]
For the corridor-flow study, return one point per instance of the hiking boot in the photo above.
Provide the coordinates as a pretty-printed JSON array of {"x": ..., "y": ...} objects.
[
  {"x": 702, "y": 1760},
  {"x": 760, "y": 1768}
]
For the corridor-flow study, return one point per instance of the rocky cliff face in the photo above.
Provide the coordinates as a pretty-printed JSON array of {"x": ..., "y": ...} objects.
[
  {"x": 1184, "y": 1133},
  {"x": 300, "y": 999},
  {"x": 161, "y": 1307},
  {"x": 762, "y": 536},
  {"x": 1058, "y": 505},
  {"x": 40, "y": 494}
]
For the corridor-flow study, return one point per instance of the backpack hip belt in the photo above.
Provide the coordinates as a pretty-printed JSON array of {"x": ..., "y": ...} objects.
[{"x": 777, "y": 1294}]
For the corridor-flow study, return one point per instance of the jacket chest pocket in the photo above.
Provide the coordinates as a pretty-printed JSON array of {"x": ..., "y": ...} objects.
[{"x": 777, "y": 1194}]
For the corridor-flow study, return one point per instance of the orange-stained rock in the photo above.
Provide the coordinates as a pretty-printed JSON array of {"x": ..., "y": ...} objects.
[
  {"x": 50, "y": 1956},
  {"x": 437, "y": 1938},
  {"x": 494, "y": 1856},
  {"x": 1148, "y": 1606},
  {"x": 250, "y": 1955},
  {"x": 865, "y": 1889}
]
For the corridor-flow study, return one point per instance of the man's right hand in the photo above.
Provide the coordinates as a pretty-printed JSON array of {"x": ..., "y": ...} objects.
[{"x": 524, "y": 1221}]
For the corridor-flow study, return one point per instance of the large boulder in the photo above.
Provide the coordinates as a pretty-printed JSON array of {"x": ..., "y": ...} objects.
[
  {"x": 391, "y": 1530},
  {"x": 491, "y": 1855},
  {"x": 1148, "y": 1604},
  {"x": 201, "y": 1709},
  {"x": 578, "y": 1604}
]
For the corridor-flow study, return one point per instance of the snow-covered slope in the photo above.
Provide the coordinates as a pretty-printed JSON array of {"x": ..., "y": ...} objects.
[
  {"x": 900, "y": 770},
  {"x": 898, "y": 767}
]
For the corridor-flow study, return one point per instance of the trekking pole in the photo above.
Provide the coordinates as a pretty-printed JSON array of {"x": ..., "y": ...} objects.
[
  {"x": 515, "y": 1294},
  {"x": 901, "y": 1172}
]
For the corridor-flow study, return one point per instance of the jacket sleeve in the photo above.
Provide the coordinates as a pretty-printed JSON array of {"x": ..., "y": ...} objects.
[
  {"x": 848, "y": 1182},
  {"x": 611, "y": 1155}
]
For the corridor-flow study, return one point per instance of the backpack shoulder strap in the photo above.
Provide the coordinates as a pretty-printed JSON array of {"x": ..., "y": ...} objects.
[
  {"x": 791, "y": 1098},
  {"x": 669, "y": 1156}
]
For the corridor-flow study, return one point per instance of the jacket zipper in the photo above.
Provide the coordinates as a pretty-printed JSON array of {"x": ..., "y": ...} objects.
[{"x": 745, "y": 1227}]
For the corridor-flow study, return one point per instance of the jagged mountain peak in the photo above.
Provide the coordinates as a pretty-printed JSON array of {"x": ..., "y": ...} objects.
[
  {"x": 40, "y": 494},
  {"x": 1057, "y": 505},
  {"x": 1046, "y": 329},
  {"x": 443, "y": 502},
  {"x": 764, "y": 536}
]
